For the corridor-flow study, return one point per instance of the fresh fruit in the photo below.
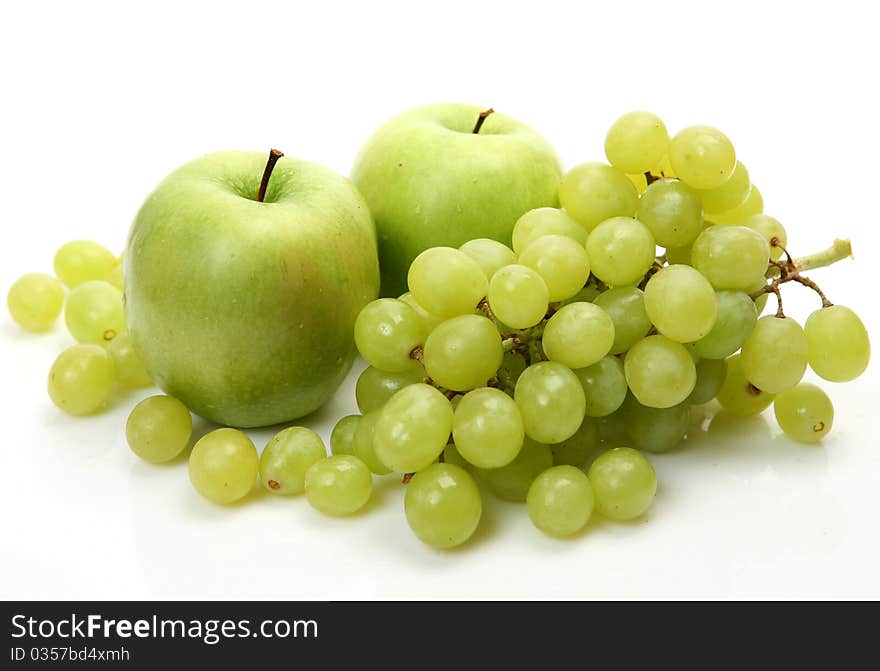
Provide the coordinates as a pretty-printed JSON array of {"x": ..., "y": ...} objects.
[
  {"x": 386, "y": 332},
  {"x": 81, "y": 379},
  {"x": 560, "y": 501},
  {"x": 81, "y": 261},
  {"x": 374, "y": 387},
  {"x": 838, "y": 344},
  {"x": 774, "y": 357},
  {"x": 702, "y": 157},
  {"x": 551, "y": 400},
  {"x": 511, "y": 482},
  {"x": 681, "y": 303},
  {"x": 624, "y": 484},
  {"x": 287, "y": 457},
  {"x": 338, "y": 485},
  {"x": 731, "y": 257},
  {"x": 463, "y": 352},
  {"x": 621, "y": 251},
  {"x": 443, "y": 505},
  {"x": 95, "y": 313},
  {"x": 130, "y": 370},
  {"x": 35, "y": 301},
  {"x": 660, "y": 372},
  {"x": 592, "y": 193},
  {"x": 518, "y": 296},
  {"x": 672, "y": 211},
  {"x": 804, "y": 413},
  {"x": 487, "y": 428},
  {"x": 158, "y": 429},
  {"x": 223, "y": 466},
  {"x": 342, "y": 436},
  {"x": 446, "y": 281},
  {"x": 543, "y": 221},
  {"x": 412, "y": 428},
  {"x": 561, "y": 262},
  {"x": 578, "y": 335},
  {"x": 636, "y": 142}
]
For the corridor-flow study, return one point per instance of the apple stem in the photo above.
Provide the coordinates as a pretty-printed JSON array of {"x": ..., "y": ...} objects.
[
  {"x": 482, "y": 119},
  {"x": 274, "y": 155}
]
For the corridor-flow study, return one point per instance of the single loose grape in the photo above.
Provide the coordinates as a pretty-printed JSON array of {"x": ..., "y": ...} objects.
[
  {"x": 594, "y": 192},
  {"x": 774, "y": 357},
  {"x": 431, "y": 321},
  {"x": 364, "y": 447},
  {"x": 804, "y": 413},
  {"x": 446, "y": 281},
  {"x": 624, "y": 484},
  {"x": 660, "y": 372},
  {"x": 604, "y": 386},
  {"x": 443, "y": 505},
  {"x": 771, "y": 230},
  {"x": 753, "y": 204},
  {"x": 95, "y": 313},
  {"x": 621, "y": 250},
  {"x": 672, "y": 211},
  {"x": 636, "y": 142},
  {"x": 374, "y": 386},
  {"x": 338, "y": 485},
  {"x": 158, "y": 429},
  {"x": 490, "y": 255},
  {"x": 711, "y": 374},
  {"x": 736, "y": 319},
  {"x": 35, "y": 301},
  {"x": 512, "y": 482},
  {"x": 342, "y": 436},
  {"x": 487, "y": 428},
  {"x": 545, "y": 221},
  {"x": 656, "y": 429},
  {"x": 81, "y": 261},
  {"x": 839, "y": 348},
  {"x": 681, "y": 303},
  {"x": 578, "y": 335},
  {"x": 518, "y": 296},
  {"x": 130, "y": 369},
  {"x": 702, "y": 157},
  {"x": 739, "y": 396},
  {"x": 413, "y": 428},
  {"x": 580, "y": 449},
  {"x": 551, "y": 400},
  {"x": 287, "y": 457},
  {"x": 560, "y": 501},
  {"x": 223, "y": 466},
  {"x": 729, "y": 195},
  {"x": 731, "y": 257},
  {"x": 81, "y": 379},
  {"x": 463, "y": 352},
  {"x": 386, "y": 332},
  {"x": 561, "y": 262},
  {"x": 626, "y": 307}
]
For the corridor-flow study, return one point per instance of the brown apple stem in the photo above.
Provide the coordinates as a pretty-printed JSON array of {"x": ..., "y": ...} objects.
[
  {"x": 274, "y": 155},
  {"x": 482, "y": 119}
]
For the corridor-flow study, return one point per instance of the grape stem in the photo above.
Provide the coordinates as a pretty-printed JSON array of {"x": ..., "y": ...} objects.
[
  {"x": 482, "y": 119},
  {"x": 790, "y": 269},
  {"x": 274, "y": 155},
  {"x": 841, "y": 249},
  {"x": 418, "y": 354}
]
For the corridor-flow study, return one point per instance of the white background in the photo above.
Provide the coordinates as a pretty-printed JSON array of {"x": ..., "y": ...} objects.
[{"x": 101, "y": 100}]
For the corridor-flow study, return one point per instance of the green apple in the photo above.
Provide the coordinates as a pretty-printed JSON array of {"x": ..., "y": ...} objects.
[
  {"x": 242, "y": 308},
  {"x": 431, "y": 180}
]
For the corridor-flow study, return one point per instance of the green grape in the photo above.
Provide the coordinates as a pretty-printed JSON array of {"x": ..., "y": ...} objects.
[
  {"x": 114, "y": 277},
  {"x": 729, "y": 195},
  {"x": 512, "y": 482},
  {"x": 487, "y": 428},
  {"x": 672, "y": 211},
  {"x": 621, "y": 251},
  {"x": 561, "y": 262},
  {"x": 543, "y": 221},
  {"x": 624, "y": 484},
  {"x": 287, "y": 457},
  {"x": 35, "y": 301},
  {"x": 626, "y": 307},
  {"x": 736, "y": 318},
  {"x": 518, "y": 296},
  {"x": 363, "y": 445},
  {"x": 81, "y": 379},
  {"x": 551, "y": 400},
  {"x": 804, "y": 413},
  {"x": 342, "y": 436},
  {"x": 656, "y": 429},
  {"x": 636, "y": 142},
  {"x": 95, "y": 313},
  {"x": 431, "y": 321},
  {"x": 594, "y": 192},
  {"x": 612, "y": 428},
  {"x": 374, "y": 387},
  {"x": 512, "y": 366},
  {"x": 158, "y": 429},
  {"x": 413, "y": 428},
  {"x": 731, "y": 257},
  {"x": 339, "y": 485},
  {"x": 130, "y": 369},
  {"x": 771, "y": 230},
  {"x": 774, "y": 357},
  {"x": 681, "y": 303},
  {"x": 753, "y": 204},
  {"x": 678, "y": 255},
  {"x": 446, "y": 282},
  {"x": 659, "y": 371},
  {"x": 711, "y": 374},
  {"x": 223, "y": 466},
  {"x": 386, "y": 332},
  {"x": 604, "y": 386},
  {"x": 739, "y": 396},
  {"x": 451, "y": 455},
  {"x": 463, "y": 352},
  {"x": 443, "y": 505},
  {"x": 490, "y": 255},
  {"x": 560, "y": 501},
  {"x": 581, "y": 448},
  {"x": 702, "y": 157},
  {"x": 839, "y": 348},
  {"x": 81, "y": 261},
  {"x": 578, "y": 335}
]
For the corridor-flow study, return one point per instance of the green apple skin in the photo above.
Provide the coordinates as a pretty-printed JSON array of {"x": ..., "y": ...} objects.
[
  {"x": 245, "y": 310},
  {"x": 430, "y": 181}
]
